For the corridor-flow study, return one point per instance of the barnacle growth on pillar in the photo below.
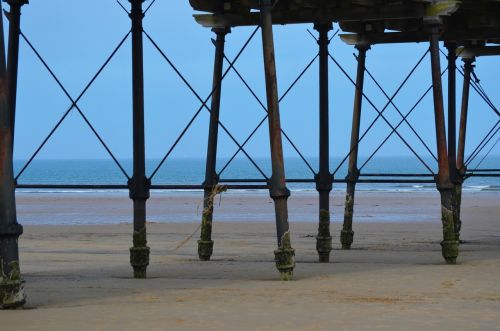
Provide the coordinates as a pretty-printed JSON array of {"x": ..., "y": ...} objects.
[
  {"x": 324, "y": 239},
  {"x": 206, "y": 244},
  {"x": 11, "y": 287},
  {"x": 285, "y": 257},
  {"x": 139, "y": 254},
  {"x": 450, "y": 244},
  {"x": 346, "y": 234}
]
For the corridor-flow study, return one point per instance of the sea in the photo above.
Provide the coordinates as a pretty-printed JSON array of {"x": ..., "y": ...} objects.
[
  {"x": 38, "y": 206},
  {"x": 186, "y": 171}
]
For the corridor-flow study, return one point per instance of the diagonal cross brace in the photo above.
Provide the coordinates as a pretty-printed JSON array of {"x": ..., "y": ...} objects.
[
  {"x": 265, "y": 117},
  {"x": 203, "y": 104},
  {"x": 74, "y": 104},
  {"x": 259, "y": 101},
  {"x": 487, "y": 153},
  {"x": 380, "y": 112},
  {"x": 404, "y": 118},
  {"x": 401, "y": 122},
  {"x": 485, "y": 141},
  {"x": 476, "y": 85},
  {"x": 149, "y": 7}
]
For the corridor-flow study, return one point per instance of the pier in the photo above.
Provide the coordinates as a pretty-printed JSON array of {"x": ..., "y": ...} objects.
[{"x": 468, "y": 29}]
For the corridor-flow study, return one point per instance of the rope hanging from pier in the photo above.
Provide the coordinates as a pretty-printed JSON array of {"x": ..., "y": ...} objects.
[{"x": 217, "y": 189}]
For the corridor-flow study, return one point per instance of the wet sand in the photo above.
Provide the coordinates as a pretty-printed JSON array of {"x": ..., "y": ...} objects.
[{"x": 79, "y": 278}]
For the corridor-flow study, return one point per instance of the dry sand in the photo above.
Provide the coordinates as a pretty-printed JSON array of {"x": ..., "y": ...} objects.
[{"x": 78, "y": 277}]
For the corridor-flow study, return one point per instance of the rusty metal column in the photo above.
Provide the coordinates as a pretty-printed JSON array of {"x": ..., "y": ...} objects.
[
  {"x": 206, "y": 244},
  {"x": 452, "y": 132},
  {"x": 14, "y": 17},
  {"x": 347, "y": 235},
  {"x": 452, "y": 111},
  {"x": 11, "y": 285},
  {"x": 461, "y": 168},
  {"x": 285, "y": 254},
  {"x": 324, "y": 177},
  {"x": 139, "y": 184},
  {"x": 444, "y": 185}
]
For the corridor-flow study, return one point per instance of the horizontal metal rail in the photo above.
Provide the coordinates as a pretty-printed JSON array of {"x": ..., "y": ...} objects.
[
  {"x": 396, "y": 175},
  {"x": 390, "y": 181},
  {"x": 482, "y": 175},
  {"x": 253, "y": 183},
  {"x": 114, "y": 187}
]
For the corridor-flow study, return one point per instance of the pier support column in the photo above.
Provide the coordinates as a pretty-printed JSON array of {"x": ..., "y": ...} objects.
[
  {"x": 206, "y": 244},
  {"x": 347, "y": 235},
  {"x": 139, "y": 184},
  {"x": 444, "y": 185},
  {"x": 324, "y": 177},
  {"x": 452, "y": 138},
  {"x": 11, "y": 284},
  {"x": 461, "y": 168},
  {"x": 285, "y": 254},
  {"x": 14, "y": 16}
]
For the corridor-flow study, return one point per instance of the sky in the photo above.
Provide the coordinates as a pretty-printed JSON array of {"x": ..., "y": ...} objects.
[{"x": 75, "y": 38}]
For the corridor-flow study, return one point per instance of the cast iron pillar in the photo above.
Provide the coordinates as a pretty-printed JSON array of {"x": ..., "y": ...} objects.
[
  {"x": 461, "y": 168},
  {"x": 452, "y": 131},
  {"x": 347, "y": 235},
  {"x": 444, "y": 185},
  {"x": 285, "y": 254},
  {"x": 324, "y": 177},
  {"x": 452, "y": 116},
  {"x": 11, "y": 284},
  {"x": 139, "y": 184},
  {"x": 14, "y": 16},
  {"x": 206, "y": 244}
]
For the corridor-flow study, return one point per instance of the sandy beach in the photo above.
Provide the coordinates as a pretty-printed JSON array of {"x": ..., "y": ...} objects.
[{"x": 78, "y": 276}]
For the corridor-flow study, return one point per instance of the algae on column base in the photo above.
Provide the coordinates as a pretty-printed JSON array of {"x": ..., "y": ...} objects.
[
  {"x": 205, "y": 249},
  {"x": 285, "y": 258},
  {"x": 457, "y": 199},
  {"x": 11, "y": 288},
  {"x": 347, "y": 235},
  {"x": 139, "y": 254},
  {"x": 324, "y": 239},
  {"x": 346, "y": 238},
  {"x": 450, "y": 243},
  {"x": 206, "y": 244},
  {"x": 449, "y": 246}
]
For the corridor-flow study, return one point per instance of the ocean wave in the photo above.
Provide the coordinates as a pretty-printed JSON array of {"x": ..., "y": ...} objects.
[{"x": 476, "y": 188}]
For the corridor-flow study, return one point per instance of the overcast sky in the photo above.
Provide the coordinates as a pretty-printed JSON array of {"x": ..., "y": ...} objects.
[{"x": 75, "y": 37}]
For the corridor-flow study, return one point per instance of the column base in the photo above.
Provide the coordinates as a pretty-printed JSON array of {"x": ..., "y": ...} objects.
[
  {"x": 450, "y": 251},
  {"x": 205, "y": 249},
  {"x": 285, "y": 263},
  {"x": 346, "y": 238},
  {"x": 284, "y": 257},
  {"x": 12, "y": 294},
  {"x": 324, "y": 247},
  {"x": 139, "y": 259}
]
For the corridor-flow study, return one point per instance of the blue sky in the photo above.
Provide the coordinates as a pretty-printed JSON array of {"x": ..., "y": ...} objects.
[{"x": 75, "y": 37}]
